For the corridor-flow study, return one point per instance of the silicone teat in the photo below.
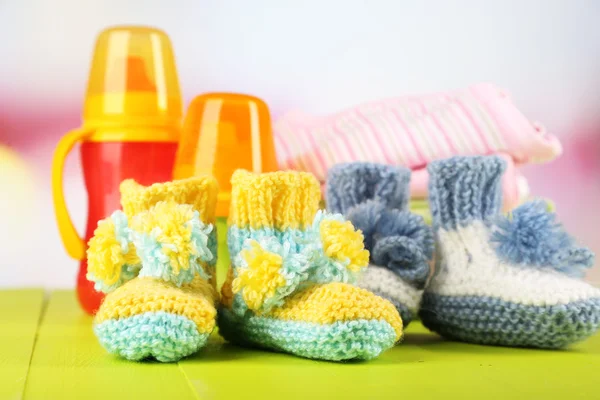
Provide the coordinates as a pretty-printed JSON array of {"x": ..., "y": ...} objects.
[
  {"x": 133, "y": 78},
  {"x": 223, "y": 132}
]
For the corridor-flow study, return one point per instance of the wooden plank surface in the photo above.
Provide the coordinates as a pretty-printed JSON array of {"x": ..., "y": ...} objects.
[
  {"x": 424, "y": 366},
  {"x": 20, "y": 312},
  {"x": 68, "y": 363}
]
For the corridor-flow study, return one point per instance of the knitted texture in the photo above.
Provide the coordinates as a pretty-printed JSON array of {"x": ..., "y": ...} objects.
[
  {"x": 148, "y": 335},
  {"x": 374, "y": 197},
  {"x": 199, "y": 192},
  {"x": 290, "y": 285},
  {"x": 111, "y": 256},
  {"x": 172, "y": 243},
  {"x": 168, "y": 310},
  {"x": 350, "y": 184},
  {"x": 531, "y": 236},
  {"x": 335, "y": 321},
  {"x": 496, "y": 279},
  {"x": 385, "y": 283}
]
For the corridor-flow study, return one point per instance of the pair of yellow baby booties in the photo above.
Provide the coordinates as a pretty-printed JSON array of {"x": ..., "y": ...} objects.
[{"x": 290, "y": 286}]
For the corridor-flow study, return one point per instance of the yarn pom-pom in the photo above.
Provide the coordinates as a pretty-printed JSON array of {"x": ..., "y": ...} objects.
[
  {"x": 112, "y": 258},
  {"x": 259, "y": 275},
  {"x": 403, "y": 243},
  {"x": 172, "y": 242},
  {"x": 341, "y": 243},
  {"x": 365, "y": 217},
  {"x": 531, "y": 236},
  {"x": 271, "y": 269},
  {"x": 269, "y": 272},
  {"x": 334, "y": 249}
]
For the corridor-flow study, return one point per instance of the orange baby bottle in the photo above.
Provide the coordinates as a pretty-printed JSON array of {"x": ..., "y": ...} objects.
[
  {"x": 131, "y": 126},
  {"x": 221, "y": 133}
]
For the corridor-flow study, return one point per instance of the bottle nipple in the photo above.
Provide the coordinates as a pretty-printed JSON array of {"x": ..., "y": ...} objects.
[
  {"x": 223, "y": 132},
  {"x": 133, "y": 79}
]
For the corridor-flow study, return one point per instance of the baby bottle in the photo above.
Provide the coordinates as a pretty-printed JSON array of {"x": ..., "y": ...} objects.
[
  {"x": 221, "y": 133},
  {"x": 131, "y": 124}
]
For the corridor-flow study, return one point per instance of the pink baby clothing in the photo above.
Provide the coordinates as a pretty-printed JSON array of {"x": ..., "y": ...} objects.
[{"x": 414, "y": 130}]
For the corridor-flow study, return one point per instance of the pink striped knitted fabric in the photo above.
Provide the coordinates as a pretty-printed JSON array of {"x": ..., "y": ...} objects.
[{"x": 413, "y": 131}]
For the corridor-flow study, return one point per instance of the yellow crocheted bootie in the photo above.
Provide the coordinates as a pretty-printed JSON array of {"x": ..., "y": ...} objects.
[
  {"x": 290, "y": 286},
  {"x": 156, "y": 259}
]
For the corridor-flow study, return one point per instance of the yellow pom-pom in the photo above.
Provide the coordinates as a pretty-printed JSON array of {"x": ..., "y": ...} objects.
[
  {"x": 342, "y": 242},
  {"x": 261, "y": 278},
  {"x": 168, "y": 223},
  {"x": 106, "y": 257}
]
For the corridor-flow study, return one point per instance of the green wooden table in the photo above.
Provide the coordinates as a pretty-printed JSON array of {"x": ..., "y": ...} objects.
[{"x": 48, "y": 351}]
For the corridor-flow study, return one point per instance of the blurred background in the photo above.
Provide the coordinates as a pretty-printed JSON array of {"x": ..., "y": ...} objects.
[{"x": 317, "y": 56}]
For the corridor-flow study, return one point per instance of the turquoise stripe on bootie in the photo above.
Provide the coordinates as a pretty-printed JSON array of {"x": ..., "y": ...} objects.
[
  {"x": 151, "y": 335},
  {"x": 502, "y": 280},
  {"x": 369, "y": 338}
]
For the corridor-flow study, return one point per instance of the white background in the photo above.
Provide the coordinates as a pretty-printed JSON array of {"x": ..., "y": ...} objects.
[{"x": 317, "y": 55}]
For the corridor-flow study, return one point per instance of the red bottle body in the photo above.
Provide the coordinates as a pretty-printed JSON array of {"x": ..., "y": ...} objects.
[{"x": 105, "y": 165}]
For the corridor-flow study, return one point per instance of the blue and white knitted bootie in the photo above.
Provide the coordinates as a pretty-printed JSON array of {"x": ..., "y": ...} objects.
[
  {"x": 506, "y": 281},
  {"x": 374, "y": 197}
]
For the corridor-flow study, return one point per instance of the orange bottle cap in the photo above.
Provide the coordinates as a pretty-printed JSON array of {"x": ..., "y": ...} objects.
[
  {"x": 133, "y": 81},
  {"x": 223, "y": 132}
]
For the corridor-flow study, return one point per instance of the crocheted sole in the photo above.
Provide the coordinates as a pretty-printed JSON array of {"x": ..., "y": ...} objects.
[
  {"x": 492, "y": 321},
  {"x": 342, "y": 340},
  {"x": 163, "y": 336}
]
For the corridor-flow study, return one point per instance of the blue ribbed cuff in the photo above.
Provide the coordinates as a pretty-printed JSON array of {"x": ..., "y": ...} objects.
[
  {"x": 350, "y": 184},
  {"x": 465, "y": 189}
]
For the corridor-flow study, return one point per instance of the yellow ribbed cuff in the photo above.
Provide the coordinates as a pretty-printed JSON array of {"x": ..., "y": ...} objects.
[
  {"x": 200, "y": 192},
  {"x": 280, "y": 200}
]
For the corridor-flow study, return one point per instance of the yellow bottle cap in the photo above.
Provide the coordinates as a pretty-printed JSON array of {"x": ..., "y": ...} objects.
[
  {"x": 223, "y": 132},
  {"x": 133, "y": 83}
]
